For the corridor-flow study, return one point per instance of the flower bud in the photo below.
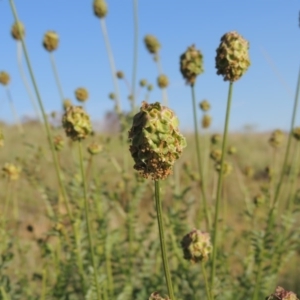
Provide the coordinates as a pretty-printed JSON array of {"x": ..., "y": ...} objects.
[
  {"x": 152, "y": 44},
  {"x": 215, "y": 139},
  {"x": 58, "y": 142},
  {"x": 11, "y": 171},
  {"x": 206, "y": 121},
  {"x": 232, "y": 59},
  {"x": 67, "y": 103},
  {"x": 76, "y": 123},
  {"x": 196, "y": 246},
  {"x": 81, "y": 94},
  {"x": 120, "y": 74},
  {"x": 100, "y": 8},
  {"x": 162, "y": 81},
  {"x": 296, "y": 133},
  {"x": 227, "y": 168},
  {"x": 216, "y": 155},
  {"x": 1, "y": 138},
  {"x": 4, "y": 78},
  {"x": 231, "y": 150},
  {"x": 18, "y": 31},
  {"x": 143, "y": 82},
  {"x": 204, "y": 105},
  {"x": 50, "y": 41},
  {"x": 276, "y": 138},
  {"x": 94, "y": 148}
]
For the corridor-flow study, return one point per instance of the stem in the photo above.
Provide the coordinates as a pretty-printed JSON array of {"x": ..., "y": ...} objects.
[
  {"x": 111, "y": 63},
  {"x": 219, "y": 188},
  {"x": 31, "y": 96},
  {"x": 13, "y": 110},
  {"x": 44, "y": 283},
  {"x": 257, "y": 281},
  {"x": 162, "y": 241},
  {"x": 289, "y": 141},
  {"x": 89, "y": 229},
  {"x": 160, "y": 72},
  {"x": 135, "y": 53},
  {"x": 199, "y": 162},
  {"x": 54, "y": 68},
  {"x": 205, "y": 281}
]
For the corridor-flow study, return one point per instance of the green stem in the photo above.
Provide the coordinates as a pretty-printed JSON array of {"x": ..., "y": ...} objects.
[
  {"x": 111, "y": 63},
  {"x": 257, "y": 281},
  {"x": 135, "y": 52},
  {"x": 162, "y": 241},
  {"x": 31, "y": 96},
  {"x": 13, "y": 110},
  {"x": 287, "y": 151},
  {"x": 50, "y": 140},
  {"x": 219, "y": 188},
  {"x": 199, "y": 162},
  {"x": 54, "y": 68},
  {"x": 89, "y": 229},
  {"x": 205, "y": 281},
  {"x": 44, "y": 283}
]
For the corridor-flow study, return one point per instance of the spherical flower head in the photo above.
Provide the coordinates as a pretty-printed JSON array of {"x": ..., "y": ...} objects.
[
  {"x": 100, "y": 8},
  {"x": 227, "y": 168},
  {"x": 191, "y": 64},
  {"x": 143, "y": 82},
  {"x": 206, "y": 121},
  {"x": 11, "y": 171},
  {"x": 18, "y": 31},
  {"x": 58, "y": 142},
  {"x": 67, "y": 103},
  {"x": 155, "y": 141},
  {"x": 94, "y": 148},
  {"x": 196, "y": 246},
  {"x": 232, "y": 59},
  {"x": 4, "y": 78},
  {"x": 81, "y": 94},
  {"x": 112, "y": 96},
  {"x": 296, "y": 133},
  {"x": 276, "y": 138},
  {"x": 162, "y": 81},
  {"x": 50, "y": 41},
  {"x": 282, "y": 294},
  {"x": 215, "y": 138},
  {"x": 1, "y": 138},
  {"x": 76, "y": 123},
  {"x": 204, "y": 105},
  {"x": 120, "y": 74},
  {"x": 157, "y": 296},
  {"x": 216, "y": 155},
  {"x": 152, "y": 44},
  {"x": 231, "y": 150},
  {"x": 149, "y": 87}
]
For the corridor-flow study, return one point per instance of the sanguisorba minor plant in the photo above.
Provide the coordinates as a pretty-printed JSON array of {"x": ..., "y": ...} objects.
[
  {"x": 232, "y": 61},
  {"x": 155, "y": 145}
]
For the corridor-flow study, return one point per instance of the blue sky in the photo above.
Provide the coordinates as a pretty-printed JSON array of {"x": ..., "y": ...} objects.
[{"x": 263, "y": 97}]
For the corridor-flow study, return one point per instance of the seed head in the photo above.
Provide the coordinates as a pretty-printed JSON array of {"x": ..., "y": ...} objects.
[
  {"x": 162, "y": 81},
  {"x": 100, "y": 8},
  {"x": 4, "y": 78},
  {"x": 216, "y": 155},
  {"x": 94, "y": 148},
  {"x": 204, "y": 105},
  {"x": 196, "y": 246},
  {"x": 120, "y": 74},
  {"x": 81, "y": 94},
  {"x": 50, "y": 41},
  {"x": 206, "y": 121},
  {"x": 18, "y": 31},
  {"x": 155, "y": 141},
  {"x": 11, "y": 171},
  {"x": 232, "y": 59},
  {"x": 58, "y": 142},
  {"x": 296, "y": 133},
  {"x": 67, "y": 103},
  {"x": 76, "y": 123},
  {"x": 215, "y": 138},
  {"x": 227, "y": 168},
  {"x": 143, "y": 82},
  {"x": 152, "y": 43},
  {"x": 276, "y": 138},
  {"x": 282, "y": 294},
  {"x": 191, "y": 64}
]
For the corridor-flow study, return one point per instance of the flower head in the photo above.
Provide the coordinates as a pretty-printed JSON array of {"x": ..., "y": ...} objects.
[{"x": 50, "y": 41}]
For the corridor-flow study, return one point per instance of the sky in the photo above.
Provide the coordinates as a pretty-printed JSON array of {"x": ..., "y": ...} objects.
[{"x": 262, "y": 98}]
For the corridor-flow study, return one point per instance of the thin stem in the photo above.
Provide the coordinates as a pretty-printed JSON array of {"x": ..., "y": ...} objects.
[
  {"x": 44, "y": 283},
  {"x": 162, "y": 241},
  {"x": 89, "y": 229},
  {"x": 31, "y": 96},
  {"x": 135, "y": 52},
  {"x": 54, "y": 68},
  {"x": 283, "y": 170},
  {"x": 13, "y": 110},
  {"x": 199, "y": 162},
  {"x": 219, "y": 188},
  {"x": 205, "y": 281},
  {"x": 160, "y": 72},
  {"x": 111, "y": 63}
]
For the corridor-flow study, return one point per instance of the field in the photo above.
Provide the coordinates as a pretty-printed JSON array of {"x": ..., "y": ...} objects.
[{"x": 141, "y": 210}]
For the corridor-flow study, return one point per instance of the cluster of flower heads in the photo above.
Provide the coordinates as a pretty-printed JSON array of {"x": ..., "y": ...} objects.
[{"x": 155, "y": 141}]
